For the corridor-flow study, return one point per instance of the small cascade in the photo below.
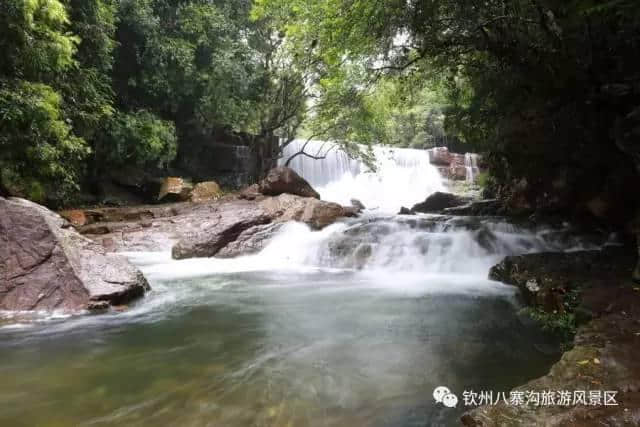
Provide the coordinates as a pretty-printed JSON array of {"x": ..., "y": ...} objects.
[
  {"x": 471, "y": 164},
  {"x": 398, "y": 248},
  {"x": 402, "y": 177}
]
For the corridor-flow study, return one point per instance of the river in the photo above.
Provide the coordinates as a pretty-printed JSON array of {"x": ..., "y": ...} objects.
[{"x": 352, "y": 325}]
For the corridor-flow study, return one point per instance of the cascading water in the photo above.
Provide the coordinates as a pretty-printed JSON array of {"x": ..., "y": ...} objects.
[
  {"x": 471, "y": 164},
  {"x": 403, "y": 176},
  {"x": 355, "y": 324}
]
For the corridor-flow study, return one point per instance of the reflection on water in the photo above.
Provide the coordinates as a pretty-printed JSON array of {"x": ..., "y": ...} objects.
[{"x": 272, "y": 349}]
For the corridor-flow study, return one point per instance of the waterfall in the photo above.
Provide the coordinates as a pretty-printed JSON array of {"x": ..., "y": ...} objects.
[
  {"x": 471, "y": 164},
  {"x": 403, "y": 176}
]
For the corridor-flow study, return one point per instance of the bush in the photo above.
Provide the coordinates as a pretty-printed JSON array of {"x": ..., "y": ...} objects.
[
  {"x": 140, "y": 139},
  {"x": 40, "y": 157}
]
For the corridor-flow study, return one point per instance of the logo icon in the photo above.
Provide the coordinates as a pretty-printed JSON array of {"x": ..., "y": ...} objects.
[{"x": 443, "y": 395}]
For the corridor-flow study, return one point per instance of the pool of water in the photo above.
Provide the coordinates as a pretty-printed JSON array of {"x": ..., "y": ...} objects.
[{"x": 313, "y": 347}]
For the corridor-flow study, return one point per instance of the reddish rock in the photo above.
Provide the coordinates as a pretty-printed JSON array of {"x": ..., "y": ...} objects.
[
  {"x": 283, "y": 180},
  {"x": 44, "y": 266},
  {"x": 76, "y": 217},
  {"x": 440, "y": 156}
]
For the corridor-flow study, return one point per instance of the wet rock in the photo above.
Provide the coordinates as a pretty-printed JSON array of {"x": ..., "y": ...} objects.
[
  {"x": 439, "y": 201},
  {"x": 358, "y": 205},
  {"x": 205, "y": 191},
  {"x": 316, "y": 213},
  {"x": 283, "y": 180},
  {"x": 214, "y": 233},
  {"x": 603, "y": 357},
  {"x": 174, "y": 190},
  {"x": 543, "y": 278},
  {"x": 250, "y": 241},
  {"x": 406, "y": 211},
  {"x": 491, "y": 207},
  {"x": 44, "y": 266},
  {"x": 440, "y": 156}
]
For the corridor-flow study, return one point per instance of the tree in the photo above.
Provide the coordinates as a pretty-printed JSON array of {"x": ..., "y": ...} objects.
[
  {"x": 534, "y": 83},
  {"x": 39, "y": 154}
]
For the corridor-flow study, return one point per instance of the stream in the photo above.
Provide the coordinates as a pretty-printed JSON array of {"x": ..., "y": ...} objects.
[{"x": 355, "y": 324}]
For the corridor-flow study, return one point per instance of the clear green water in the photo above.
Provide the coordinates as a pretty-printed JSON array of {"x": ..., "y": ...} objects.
[{"x": 273, "y": 349}]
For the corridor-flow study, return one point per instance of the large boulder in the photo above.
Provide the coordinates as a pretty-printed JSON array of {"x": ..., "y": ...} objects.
[
  {"x": 238, "y": 227},
  {"x": 250, "y": 241},
  {"x": 313, "y": 212},
  {"x": 46, "y": 265},
  {"x": 174, "y": 189},
  {"x": 283, "y": 180},
  {"x": 206, "y": 191},
  {"x": 439, "y": 201},
  {"x": 216, "y": 231}
]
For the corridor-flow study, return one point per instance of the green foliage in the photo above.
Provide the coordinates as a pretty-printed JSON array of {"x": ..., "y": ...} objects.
[
  {"x": 523, "y": 80},
  {"x": 34, "y": 40},
  {"x": 139, "y": 139},
  {"x": 189, "y": 62},
  {"x": 563, "y": 325},
  {"x": 39, "y": 155},
  {"x": 94, "y": 84}
]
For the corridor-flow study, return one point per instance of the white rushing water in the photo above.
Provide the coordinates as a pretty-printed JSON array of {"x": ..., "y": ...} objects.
[
  {"x": 379, "y": 245},
  {"x": 471, "y": 164},
  {"x": 403, "y": 176}
]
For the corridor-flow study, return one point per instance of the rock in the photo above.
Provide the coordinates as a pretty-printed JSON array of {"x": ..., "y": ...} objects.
[
  {"x": 358, "y": 205},
  {"x": 440, "y": 156},
  {"x": 250, "y": 241},
  {"x": 490, "y": 207},
  {"x": 214, "y": 233},
  {"x": 604, "y": 353},
  {"x": 438, "y": 201},
  {"x": 174, "y": 190},
  {"x": 314, "y": 212},
  {"x": 251, "y": 192},
  {"x": 406, "y": 211},
  {"x": 282, "y": 180},
  {"x": 76, "y": 217},
  {"x": 544, "y": 277},
  {"x": 45, "y": 266},
  {"x": 458, "y": 173},
  {"x": 205, "y": 191}
]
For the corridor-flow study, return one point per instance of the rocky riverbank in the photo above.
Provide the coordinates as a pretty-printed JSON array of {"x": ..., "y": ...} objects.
[
  {"x": 49, "y": 263},
  {"x": 590, "y": 290},
  {"x": 235, "y": 224}
]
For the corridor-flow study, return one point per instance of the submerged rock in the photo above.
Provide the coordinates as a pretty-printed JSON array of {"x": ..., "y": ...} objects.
[
  {"x": 282, "y": 180},
  {"x": 45, "y": 265}
]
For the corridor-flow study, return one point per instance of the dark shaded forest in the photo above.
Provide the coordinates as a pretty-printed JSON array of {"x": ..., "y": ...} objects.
[{"x": 548, "y": 91}]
